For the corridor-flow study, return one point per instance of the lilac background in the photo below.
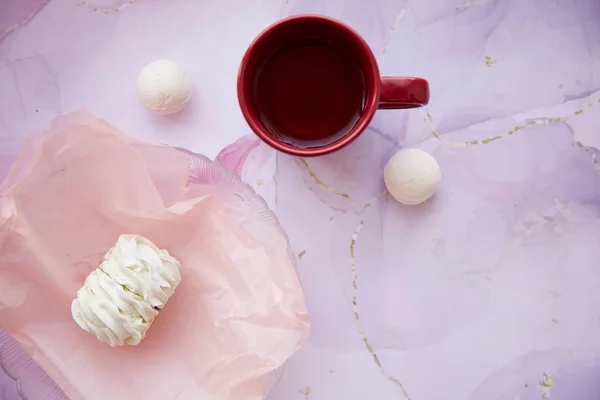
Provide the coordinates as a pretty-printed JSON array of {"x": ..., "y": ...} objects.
[{"x": 474, "y": 295}]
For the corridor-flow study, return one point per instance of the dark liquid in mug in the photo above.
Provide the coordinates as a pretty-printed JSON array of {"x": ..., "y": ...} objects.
[{"x": 309, "y": 94}]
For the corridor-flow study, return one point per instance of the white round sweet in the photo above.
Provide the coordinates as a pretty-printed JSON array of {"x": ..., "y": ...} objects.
[
  {"x": 120, "y": 299},
  {"x": 163, "y": 87},
  {"x": 412, "y": 176}
]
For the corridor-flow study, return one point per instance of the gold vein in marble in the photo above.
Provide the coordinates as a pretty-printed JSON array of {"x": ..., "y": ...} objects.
[
  {"x": 515, "y": 129},
  {"x": 537, "y": 121},
  {"x": 594, "y": 157},
  {"x": 390, "y": 32},
  {"x": 335, "y": 191},
  {"x": 587, "y": 149},
  {"x": 19, "y": 24},
  {"x": 429, "y": 121},
  {"x": 14, "y": 61},
  {"x": 490, "y": 140},
  {"x": 305, "y": 392},
  {"x": 357, "y": 321},
  {"x": 490, "y": 61},
  {"x": 106, "y": 11},
  {"x": 596, "y": 163},
  {"x": 547, "y": 385}
]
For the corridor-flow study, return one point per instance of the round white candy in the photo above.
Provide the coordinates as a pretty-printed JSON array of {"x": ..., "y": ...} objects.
[
  {"x": 163, "y": 87},
  {"x": 412, "y": 176}
]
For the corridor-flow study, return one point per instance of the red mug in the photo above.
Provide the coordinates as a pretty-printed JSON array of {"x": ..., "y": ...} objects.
[{"x": 309, "y": 85}]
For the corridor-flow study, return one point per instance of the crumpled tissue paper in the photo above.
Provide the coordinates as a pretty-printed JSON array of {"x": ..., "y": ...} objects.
[{"x": 238, "y": 313}]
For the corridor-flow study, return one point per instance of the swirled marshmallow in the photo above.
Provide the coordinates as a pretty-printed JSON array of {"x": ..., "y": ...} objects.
[{"x": 120, "y": 299}]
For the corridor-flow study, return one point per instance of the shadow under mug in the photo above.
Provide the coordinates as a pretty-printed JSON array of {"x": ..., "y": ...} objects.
[{"x": 309, "y": 85}]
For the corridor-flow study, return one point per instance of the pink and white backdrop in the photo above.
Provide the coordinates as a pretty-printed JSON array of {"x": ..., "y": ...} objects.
[{"x": 489, "y": 291}]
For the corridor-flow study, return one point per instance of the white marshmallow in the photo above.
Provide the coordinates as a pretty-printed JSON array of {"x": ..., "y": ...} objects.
[
  {"x": 412, "y": 176},
  {"x": 120, "y": 299},
  {"x": 163, "y": 87}
]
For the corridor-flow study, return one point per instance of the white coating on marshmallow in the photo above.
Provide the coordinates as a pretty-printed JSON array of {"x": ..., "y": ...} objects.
[
  {"x": 120, "y": 299},
  {"x": 163, "y": 87},
  {"x": 412, "y": 176}
]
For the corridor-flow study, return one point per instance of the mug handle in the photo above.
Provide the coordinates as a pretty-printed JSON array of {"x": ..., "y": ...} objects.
[{"x": 398, "y": 92}]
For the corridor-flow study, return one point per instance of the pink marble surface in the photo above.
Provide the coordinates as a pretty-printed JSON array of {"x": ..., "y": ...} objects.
[{"x": 490, "y": 291}]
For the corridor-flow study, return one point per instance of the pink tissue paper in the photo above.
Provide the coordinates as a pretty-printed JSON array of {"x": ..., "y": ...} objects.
[{"x": 238, "y": 313}]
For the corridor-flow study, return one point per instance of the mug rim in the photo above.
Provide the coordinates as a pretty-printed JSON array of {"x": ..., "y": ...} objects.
[{"x": 371, "y": 103}]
